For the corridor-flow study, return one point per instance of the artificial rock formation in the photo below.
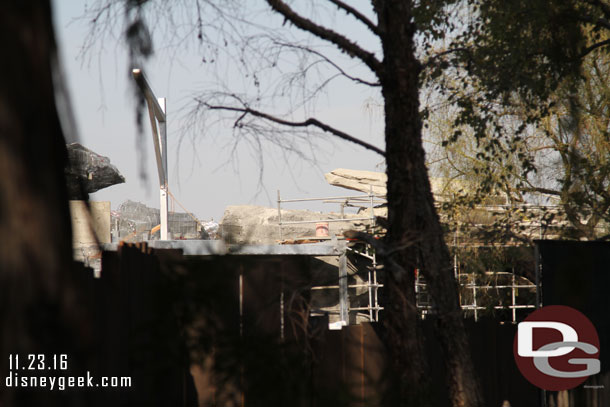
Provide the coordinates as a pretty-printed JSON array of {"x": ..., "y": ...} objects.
[
  {"x": 358, "y": 180},
  {"x": 250, "y": 224},
  {"x": 89, "y": 172}
]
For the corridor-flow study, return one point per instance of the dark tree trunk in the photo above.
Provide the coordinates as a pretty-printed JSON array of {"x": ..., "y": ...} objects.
[
  {"x": 35, "y": 251},
  {"x": 414, "y": 226}
]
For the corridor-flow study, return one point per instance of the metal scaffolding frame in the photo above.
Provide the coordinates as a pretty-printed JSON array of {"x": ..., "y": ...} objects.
[
  {"x": 423, "y": 302},
  {"x": 370, "y": 199},
  {"x": 425, "y": 306},
  {"x": 372, "y": 284},
  {"x": 534, "y": 227},
  {"x": 513, "y": 286}
]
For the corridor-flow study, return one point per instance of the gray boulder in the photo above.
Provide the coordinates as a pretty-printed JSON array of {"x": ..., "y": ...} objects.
[{"x": 88, "y": 172}]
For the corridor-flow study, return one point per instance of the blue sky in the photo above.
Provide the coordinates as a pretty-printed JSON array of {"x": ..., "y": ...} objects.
[{"x": 202, "y": 175}]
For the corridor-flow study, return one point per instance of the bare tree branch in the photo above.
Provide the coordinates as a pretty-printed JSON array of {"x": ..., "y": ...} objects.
[
  {"x": 344, "y": 44},
  {"x": 541, "y": 190},
  {"x": 593, "y": 47},
  {"x": 355, "y": 13},
  {"x": 330, "y": 62},
  {"x": 309, "y": 122}
]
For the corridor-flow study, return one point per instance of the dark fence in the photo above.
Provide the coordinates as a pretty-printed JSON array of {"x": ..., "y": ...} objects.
[
  {"x": 235, "y": 331},
  {"x": 577, "y": 274}
]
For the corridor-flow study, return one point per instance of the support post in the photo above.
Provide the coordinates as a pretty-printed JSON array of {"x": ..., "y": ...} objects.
[
  {"x": 279, "y": 214},
  {"x": 538, "y": 274},
  {"x": 163, "y": 202},
  {"x": 157, "y": 113},
  {"x": 343, "y": 289},
  {"x": 512, "y": 289},
  {"x": 474, "y": 296},
  {"x": 371, "y": 196}
]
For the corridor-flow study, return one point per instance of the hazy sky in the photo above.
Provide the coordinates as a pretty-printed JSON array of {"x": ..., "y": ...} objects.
[{"x": 201, "y": 174}]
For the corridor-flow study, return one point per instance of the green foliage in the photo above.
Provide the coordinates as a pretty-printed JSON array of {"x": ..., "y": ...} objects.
[
  {"x": 524, "y": 110},
  {"x": 522, "y": 46}
]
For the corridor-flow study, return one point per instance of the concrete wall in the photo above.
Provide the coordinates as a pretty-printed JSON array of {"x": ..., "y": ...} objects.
[
  {"x": 83, "y": 223},
  {"x": 86, "y": 226}
]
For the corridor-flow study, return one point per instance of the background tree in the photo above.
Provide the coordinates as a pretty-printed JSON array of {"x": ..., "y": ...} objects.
[
  {"x": 527, "y": 110},
  {"x": 257, "y": 114}
]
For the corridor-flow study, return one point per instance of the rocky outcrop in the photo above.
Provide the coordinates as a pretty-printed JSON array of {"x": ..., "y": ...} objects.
[
  {"x": 358, "y": 180},
  {"x": 249, "y": 224},
  {"x": 134, "y": 222},
  {"x": 88, "y": 172}
]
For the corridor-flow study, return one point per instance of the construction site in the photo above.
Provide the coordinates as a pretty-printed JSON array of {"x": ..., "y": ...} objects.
[
  {"x": 295, "y": 286},
  {"x": 330, "y": 203},
  {"x": 281, "y": 305}
]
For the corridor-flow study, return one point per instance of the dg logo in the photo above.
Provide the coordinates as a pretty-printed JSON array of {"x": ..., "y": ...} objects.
[{"x": 556, "y": 348}]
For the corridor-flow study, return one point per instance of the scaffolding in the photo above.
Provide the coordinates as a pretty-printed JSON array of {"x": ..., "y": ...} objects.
[
  {"x": 473, "y": 295},
  {"x": 369, "y": 199},
  {"x": 514, "y": 286},
  {"x": 470, "y": 295},
  {"x": 372, "y": 285},
  {"x": 475, "y": 288}
]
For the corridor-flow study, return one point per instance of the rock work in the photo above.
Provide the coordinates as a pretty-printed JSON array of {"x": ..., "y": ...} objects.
[
  {"x": 90, "y": 226},
  {"x": 88, "y": 172},
  {"x": 250, "y": 224},
  {"x": 134, "y": 222},
  {"x": 358, "y": 180}
]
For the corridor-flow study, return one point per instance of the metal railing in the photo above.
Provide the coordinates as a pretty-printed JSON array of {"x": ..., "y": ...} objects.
[
  {"x": 513, "y": 286},
  {"x": 425, "y": 306}
]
